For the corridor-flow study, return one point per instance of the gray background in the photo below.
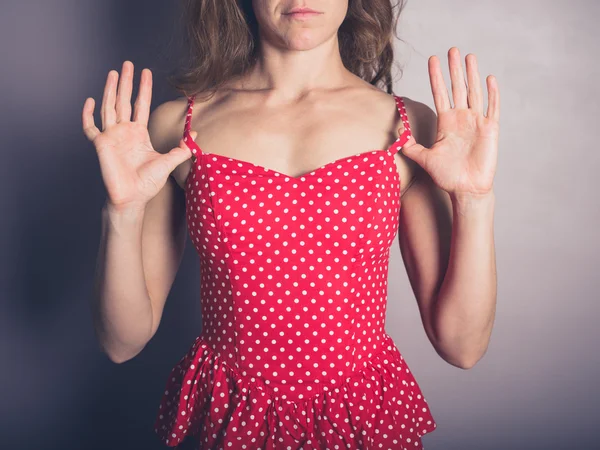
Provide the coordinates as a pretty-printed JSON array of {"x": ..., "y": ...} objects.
[{"x": 537, "y": 385}]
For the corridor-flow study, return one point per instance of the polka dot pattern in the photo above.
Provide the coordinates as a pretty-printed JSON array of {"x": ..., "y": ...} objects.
[{"x": 293, "y": 352}]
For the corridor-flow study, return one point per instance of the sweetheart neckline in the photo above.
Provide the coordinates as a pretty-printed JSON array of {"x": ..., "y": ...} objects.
[{"x": 405, "y": 132}]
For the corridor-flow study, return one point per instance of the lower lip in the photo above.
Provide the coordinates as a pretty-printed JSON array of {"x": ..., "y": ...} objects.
[{"x": 302, "y": 15}]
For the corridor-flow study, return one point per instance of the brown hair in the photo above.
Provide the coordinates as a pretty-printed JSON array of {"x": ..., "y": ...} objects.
[{"x": 220, "y": 42}]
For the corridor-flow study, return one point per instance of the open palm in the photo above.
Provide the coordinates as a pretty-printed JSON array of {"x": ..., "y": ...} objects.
[
  {"x": 463, "y": 158},
  {"x": 132, "y": 170}
]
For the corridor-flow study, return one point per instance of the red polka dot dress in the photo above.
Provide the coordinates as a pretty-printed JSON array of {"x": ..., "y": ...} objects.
[{"x": 293, "y": 353}]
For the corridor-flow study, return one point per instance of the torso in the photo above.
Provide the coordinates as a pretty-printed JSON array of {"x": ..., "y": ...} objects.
[{"x": 297, "y": 138}]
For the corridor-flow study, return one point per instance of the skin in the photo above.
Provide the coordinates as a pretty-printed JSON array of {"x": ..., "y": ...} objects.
[{"x": 303, "y": 109}]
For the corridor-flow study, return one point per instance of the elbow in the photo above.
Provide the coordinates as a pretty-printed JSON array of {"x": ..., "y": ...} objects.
[
  {"x": 117, "y": 358},
  {"x": 474, "y": 353},
  {"x": 467, "y": 364},
  {"x": 121, "y": 357},
  {"x": 467, "y": 361},
  {"x": 460, "y": 361},
  {"x": 458, "y": 351},
  {"x": 117, "y": 353},
  {"x": 117, "y": 350},
  {"x": 458, "y": 356}
]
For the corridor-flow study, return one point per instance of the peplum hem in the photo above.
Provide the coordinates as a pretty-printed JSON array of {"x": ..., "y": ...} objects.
[{"x": 379, "y": 406}]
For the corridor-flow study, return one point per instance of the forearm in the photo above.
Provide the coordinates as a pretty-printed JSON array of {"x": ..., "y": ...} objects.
[
  {"x": 121, "y": 307},
  {"x": 466, "y": 303}
]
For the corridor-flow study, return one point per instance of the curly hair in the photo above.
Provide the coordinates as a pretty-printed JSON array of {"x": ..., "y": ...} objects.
[{"x": 220, "y": 40}]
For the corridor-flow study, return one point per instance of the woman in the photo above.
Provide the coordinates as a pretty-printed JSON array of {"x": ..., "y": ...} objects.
[{"x": 293, "y": 213}]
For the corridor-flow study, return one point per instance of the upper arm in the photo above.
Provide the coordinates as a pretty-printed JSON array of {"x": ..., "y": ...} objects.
[
  {"x": 425, "y": 228},
  {"x": 164, "y": 228}
]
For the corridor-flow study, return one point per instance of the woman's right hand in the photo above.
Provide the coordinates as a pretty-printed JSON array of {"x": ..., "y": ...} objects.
[{"x": 132, "y": 171}]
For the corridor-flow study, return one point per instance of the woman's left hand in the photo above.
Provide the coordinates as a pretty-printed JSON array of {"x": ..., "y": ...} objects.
[{"x": 462, "y": 161}]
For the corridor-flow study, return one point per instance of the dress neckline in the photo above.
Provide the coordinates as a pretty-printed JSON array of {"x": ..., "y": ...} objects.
[{"x": 391, "y": 150}]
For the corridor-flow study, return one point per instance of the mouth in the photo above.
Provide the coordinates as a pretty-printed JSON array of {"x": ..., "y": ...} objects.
[{"x": 301, "y": 12}]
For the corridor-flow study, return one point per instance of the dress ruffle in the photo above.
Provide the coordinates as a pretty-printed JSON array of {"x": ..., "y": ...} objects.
[{"x": 380, "y": 406}]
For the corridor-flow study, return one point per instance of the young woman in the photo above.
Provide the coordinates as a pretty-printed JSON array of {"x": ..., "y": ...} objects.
[{"x": 288, "y": 173}]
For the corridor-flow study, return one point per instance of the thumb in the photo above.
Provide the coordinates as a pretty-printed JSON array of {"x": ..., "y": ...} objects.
[
  {"x": 182, "y": 153},
  {"x": 186, "y": 147},
  {"x": 193, "y": 135},
  {"x": 414, "y": 151}
]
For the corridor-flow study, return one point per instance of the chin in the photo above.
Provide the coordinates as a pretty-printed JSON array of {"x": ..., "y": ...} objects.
[{"x": 304, "y": 40}]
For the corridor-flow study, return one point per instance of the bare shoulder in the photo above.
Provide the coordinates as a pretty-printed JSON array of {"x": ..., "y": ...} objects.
[
  {"x": 378, "y": 104},
  {"x": 423, "y": 121},
  {"x": 165, "y": 127},
  {"x": 166, "y": 123},
  {"x": 423, "y": 126}
]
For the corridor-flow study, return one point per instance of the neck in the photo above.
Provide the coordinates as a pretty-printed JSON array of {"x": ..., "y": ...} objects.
[{"x": 290, "y": 74}]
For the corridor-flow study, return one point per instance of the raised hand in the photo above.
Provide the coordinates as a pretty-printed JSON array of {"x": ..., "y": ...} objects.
[
  {"x": 462, "y": 161},
  {"x": 132, "y": 171}
]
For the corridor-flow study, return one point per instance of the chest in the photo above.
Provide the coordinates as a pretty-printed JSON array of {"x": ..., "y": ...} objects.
[
  {"x": 292, "y": 141},
  {"x": 350, "y": 205}
]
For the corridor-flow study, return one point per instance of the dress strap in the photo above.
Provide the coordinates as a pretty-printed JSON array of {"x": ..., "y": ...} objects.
[
  {"x": 395, "y": 147},
  {"x": 186, "y": 130},
  {"x": 188, "y": 116},
  {"x": 406, "y": 133}
]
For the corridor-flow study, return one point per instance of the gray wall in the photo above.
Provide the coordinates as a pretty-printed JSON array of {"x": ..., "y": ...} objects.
[{"x": 535, "y": 387}]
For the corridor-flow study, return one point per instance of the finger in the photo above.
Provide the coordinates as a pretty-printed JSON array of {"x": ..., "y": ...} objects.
[
  {"x": 193, "y": 135},
  {"x": 415, "y": 151},
  {"x": 193, "y": 154},
  {"x": 124, "y": 94},
  {"x": 141, "y": 112},
  {"x": 475, "y": 97},
  {"x": 179, "y": 154},
  {"x": 457, "y": 78},
  {"x": 493, "y": 111},
  {"x": 89, "y": 128},
  {"x": 107, "y": 110},
  {"x": 438, "y": 86}
]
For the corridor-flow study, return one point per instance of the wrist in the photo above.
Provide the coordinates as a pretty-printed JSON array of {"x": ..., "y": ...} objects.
[
  {"x": 123, "y": 217},
  {"x": 468, "y": 202},
  {"x": 124, "y": 210}
]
